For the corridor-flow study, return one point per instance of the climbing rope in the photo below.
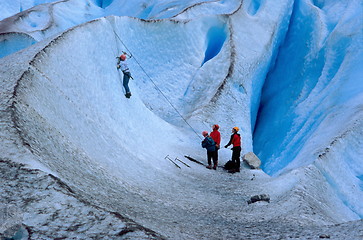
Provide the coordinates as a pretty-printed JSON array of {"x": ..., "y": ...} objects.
[{"x": 161, "y": 92}]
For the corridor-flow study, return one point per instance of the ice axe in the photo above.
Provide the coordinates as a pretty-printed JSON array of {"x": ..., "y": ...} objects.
[
  {"x": 177, "y": 159},
  {"x": 129, "y": 55},
  {"x": 167, "y": 157}
]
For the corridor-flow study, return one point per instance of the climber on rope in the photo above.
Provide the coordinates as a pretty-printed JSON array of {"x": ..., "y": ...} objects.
[{"x": 122, "y": 64}]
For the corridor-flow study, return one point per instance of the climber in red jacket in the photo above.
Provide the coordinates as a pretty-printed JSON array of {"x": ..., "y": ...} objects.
[
  {"x": 236, "y": 154},
  {"x": 216, "y": 136}
]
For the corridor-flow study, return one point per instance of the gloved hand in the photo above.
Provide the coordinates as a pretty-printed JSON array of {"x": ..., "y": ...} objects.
[{"x": 118, "y": 66}]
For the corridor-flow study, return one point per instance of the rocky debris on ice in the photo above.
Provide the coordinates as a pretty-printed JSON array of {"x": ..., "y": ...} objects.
[{"x": 261, "y": 197}]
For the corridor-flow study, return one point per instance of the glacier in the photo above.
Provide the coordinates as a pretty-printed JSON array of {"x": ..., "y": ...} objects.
[
  {"x": 287, "y": 73},
  {"x": 313, "y": 95}
]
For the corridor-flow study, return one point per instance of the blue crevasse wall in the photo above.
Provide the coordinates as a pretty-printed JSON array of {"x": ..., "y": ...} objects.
[
  {"x": 281, "y": 90},
  {"x": 254, "y": 6},
  {"x": 306, "y": 59},
  {"x": 311, "y": 99},
  {"x": 216, "y": 36},
  {"x": 103, "y": 3},
  {"x": 13, "y": 42}
]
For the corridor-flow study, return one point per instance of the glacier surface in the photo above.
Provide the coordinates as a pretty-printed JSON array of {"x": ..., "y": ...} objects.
[{"x": 287, "y": 73}]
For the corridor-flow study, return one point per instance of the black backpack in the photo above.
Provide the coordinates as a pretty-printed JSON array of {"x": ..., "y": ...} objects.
[{"x": 230, "y": 165}]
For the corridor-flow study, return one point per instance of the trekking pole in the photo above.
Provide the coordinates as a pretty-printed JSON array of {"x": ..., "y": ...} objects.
[{"x": 167, "y": 157}]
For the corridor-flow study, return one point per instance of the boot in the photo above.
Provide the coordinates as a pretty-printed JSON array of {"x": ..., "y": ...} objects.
[
  {"x": 209, "y": 167},
  {"x": 215, "y": 165}
]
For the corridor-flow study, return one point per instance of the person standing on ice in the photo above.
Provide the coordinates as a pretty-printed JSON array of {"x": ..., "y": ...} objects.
[
  {"x": 122, "y": 64},
  {"x": 210, "y": 145},
  {"x": 216, "y": 136},
  {"x": 236, "y": 149}
]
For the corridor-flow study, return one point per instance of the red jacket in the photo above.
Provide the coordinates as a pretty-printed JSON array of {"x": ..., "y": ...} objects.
[
  {"x": 235, "y": 140},
  {"x": 216, "y": 135}
]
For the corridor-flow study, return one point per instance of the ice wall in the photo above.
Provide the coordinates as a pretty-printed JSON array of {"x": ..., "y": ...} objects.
[
  {"x": 10, "y": 8},
  {"x": 42, "y": 19},
  {"x": 312, "y": 99}
]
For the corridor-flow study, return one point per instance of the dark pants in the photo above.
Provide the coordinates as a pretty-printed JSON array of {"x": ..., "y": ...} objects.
[
  {"x": 216, "y": 155},
  {"x": 236, "y": 154},
  {"x": 126, "y": 80},
  {"x": 211, "y": 155}
]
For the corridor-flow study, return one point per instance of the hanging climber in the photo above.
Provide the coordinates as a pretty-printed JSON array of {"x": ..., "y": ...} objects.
[
  {"x": 122, "y": 64},
  {"x": 216, "y": 136},
  {"x": 210, "y": 145},
  {"x": 236, "y": 149}
]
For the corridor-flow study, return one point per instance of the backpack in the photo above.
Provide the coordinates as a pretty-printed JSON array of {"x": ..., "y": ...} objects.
[
  {"x": 230, "y": 165},
  {"x": 209, "y": 144}
]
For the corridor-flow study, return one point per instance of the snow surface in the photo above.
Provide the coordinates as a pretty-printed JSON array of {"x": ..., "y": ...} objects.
[{"x": 287, "y": 74}]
